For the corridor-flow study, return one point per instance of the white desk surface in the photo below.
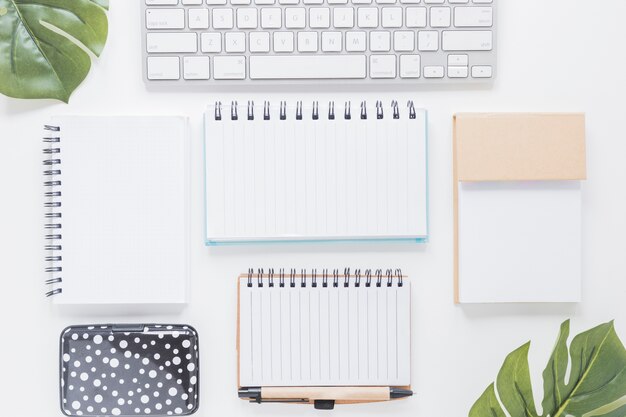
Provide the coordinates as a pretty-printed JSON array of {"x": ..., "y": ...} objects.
[{"x": 553, "y": 56}]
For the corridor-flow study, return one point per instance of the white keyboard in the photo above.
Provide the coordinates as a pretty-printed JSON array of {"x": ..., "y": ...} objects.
[{"x": 216, "y": 42}]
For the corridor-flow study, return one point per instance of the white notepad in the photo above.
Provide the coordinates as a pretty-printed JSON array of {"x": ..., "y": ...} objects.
[
  {"x": 324, "y": 336},
  {"x": 518, "y": 207},
  {"x": 273, "y": 177},
  {"x": 521, "y": 241},
  {"x": 123, "y": 232}
]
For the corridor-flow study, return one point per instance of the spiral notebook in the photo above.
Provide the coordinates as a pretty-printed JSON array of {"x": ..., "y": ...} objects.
[
  {"x": 116, "y": 191},
  {"x": 292, "y": 172},
  {"x": 323, "y": 328}
]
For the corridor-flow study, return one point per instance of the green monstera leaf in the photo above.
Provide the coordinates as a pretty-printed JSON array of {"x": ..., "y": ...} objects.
[
  {"x": 43, "y": 45},
  {"x": 596, "y": 385}
]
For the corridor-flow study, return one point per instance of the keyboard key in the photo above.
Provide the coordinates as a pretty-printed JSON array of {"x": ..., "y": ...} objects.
[
  {"x": 171, "y": 42},
  {"x": 161, "y": 2},
  {"x": 433, "y": 72},
  {"x": 211, "y": 42},
  {"x": 410, "y": 1},
  {"x": 380, "y": 41},
  {"x": 264, "y": 2},
  {"x": 198, "y": 18},
  {"x": 295, "y": 17},
  {"x": 196, "y": 67},
  {"x": 319, "y": 17},
  {"x": 239, "y": 2},
  {"x": 416, "y": 17},
  {"x": 313, "y": 1},
  {"x": 428, "y": 40},
  {"x": 283, "y": 41},
  {"x": 337, "y": 1},
  {"x": 356, "y": 41},
  {"x": 434, "y": 1},
  {"x": 192, "y": 2},
  {"x": 215, "y": 2},
  {"x": 482, "y": 71},
  {"x": 392, "y": 17},
  {"x": 307, "y": 41},
  {"x": 361, "y": 1},
  {"x": 259, "y": 42},
  {"x": 222, "y": 18},
  {"x": 271, "y": 18},
  {"x": 473, "y": 17},
  {"x": 367, "y": 17},
  {"x": 165, "y": 19},
  {"x": 440, "y": 17},
  {"x": 331, "y": 41},
  {"x": 457, "y": 72},
  {"x": 410, "y": 66},
  {"x": 458, "y": 60},
  {"x": 404, "y": 41},
  {"x": 229, "y": 67},
  {"x": 343, "y": 17},
  {"x": 383, "y": 66},
  {"x": 288, "y": 1},
  {"x": 235, "y": 42},
  {"x": 483, "y": 1},
  {"x": 163, "y": 68},
  {"x": 386, "y": 1},
  {"x": 268, "y": 67},
  {"x": 467, "y": 40},
  {"x": 247, "y": 18}
]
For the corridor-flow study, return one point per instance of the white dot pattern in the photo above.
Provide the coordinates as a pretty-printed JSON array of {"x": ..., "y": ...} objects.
[{"x": 145, "y": 360}]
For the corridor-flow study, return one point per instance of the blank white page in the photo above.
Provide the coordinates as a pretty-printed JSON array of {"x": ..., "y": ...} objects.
[
  {"x": 324, "y": 336},
  {"x": 519, "y": 241},
  {"x": 341, "y": 179},
  {"x": 125, "y": 209}
]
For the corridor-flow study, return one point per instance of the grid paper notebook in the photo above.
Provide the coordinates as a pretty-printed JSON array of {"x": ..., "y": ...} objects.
[
  {"x": 117, "y": 223},
  {"x": 298, "y": 173},
  {"x": 319, "y": 330}
]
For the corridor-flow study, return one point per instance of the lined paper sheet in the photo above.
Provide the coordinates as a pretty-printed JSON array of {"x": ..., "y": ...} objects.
[
  {"x": 316, "y": 336},
  {"x": 315, "y": 179}
]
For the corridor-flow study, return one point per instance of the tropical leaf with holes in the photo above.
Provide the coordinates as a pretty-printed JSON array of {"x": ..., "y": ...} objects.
[
  {"x": 44, "y": 44},
  {"x": 595, "y": 387}
]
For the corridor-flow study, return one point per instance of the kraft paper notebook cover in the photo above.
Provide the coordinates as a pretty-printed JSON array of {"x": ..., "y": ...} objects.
[
  {"x": 326, "y": 329},
  {"x": 517, "y": 207},
  {"x": 117, "y": 202}
]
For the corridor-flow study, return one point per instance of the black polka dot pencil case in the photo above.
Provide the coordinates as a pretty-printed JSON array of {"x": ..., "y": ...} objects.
[{"x": 129, "y": 370}]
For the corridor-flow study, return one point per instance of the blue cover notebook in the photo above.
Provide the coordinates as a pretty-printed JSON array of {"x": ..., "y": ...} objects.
[{"x": 294, "y": 172}]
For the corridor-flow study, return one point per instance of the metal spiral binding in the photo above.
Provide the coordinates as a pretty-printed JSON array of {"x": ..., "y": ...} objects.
[
  {"x": 234, "y": 112},
  {"x": 379, "y": 110},
  {"x": 218, "y": 110},
  {"x": 250, "y": 110},
  {"x": 53, "y": 216},
  {"x": 266, "y": 110},
  {"x": 315, "y": 113},
  {"x": 396, "y": 110},
  {"x": 306, "y": 278},
  {"x": 411, "y": 106}
]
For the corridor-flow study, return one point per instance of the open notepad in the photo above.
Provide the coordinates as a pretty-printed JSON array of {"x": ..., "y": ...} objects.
[
  {"x": 320, "y": 330},
  {"x": 297, "y": 173}
]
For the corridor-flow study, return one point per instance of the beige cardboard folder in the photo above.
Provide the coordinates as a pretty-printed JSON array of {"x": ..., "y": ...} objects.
[{"x": 517, "y": 206}]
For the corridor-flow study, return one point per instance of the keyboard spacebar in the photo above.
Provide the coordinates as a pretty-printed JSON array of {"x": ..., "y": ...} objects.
[{"x": 307, "y": 67}]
